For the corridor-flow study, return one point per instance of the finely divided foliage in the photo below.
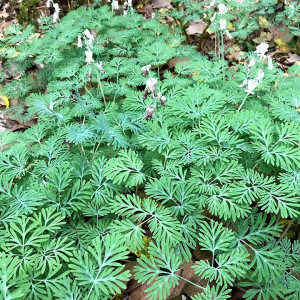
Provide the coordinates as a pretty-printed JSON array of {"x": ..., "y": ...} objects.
[{"x": 98, "y": 181}]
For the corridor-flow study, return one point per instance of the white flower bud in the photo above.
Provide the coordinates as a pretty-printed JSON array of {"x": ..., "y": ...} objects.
[
  {"x": 56, "y": 12},
  {"x": 151, "y": 84},
  {"x": 252, "y": 84},
  {"x": 213, "y": 17},
  {"x": 270, "y": 63},
  {"x": 89, "y": 56},
  {"x": 223, "y": 24},
  {"x": 115, "y": 4},
  {"x": 145, "y": 69},
  {"x": 163, "y": 100},
  {"x": 228, "y": 34},
  {"x": 262, "y": 49},
  {"x": 222, "y": 9},
  {"x": 244, "y": 83},
  {"x": 79, "y": 42},
  {"x": 100, "y": 67},
  {"x": 251, "y": 63},
  {"x": 149, "y": 112},
  {"x": 260, "y": 75},
  {"x": 212, "y": 3}
]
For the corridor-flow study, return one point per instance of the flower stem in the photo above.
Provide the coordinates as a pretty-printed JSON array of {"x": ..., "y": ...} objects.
[{"x": 243, "y": 102}]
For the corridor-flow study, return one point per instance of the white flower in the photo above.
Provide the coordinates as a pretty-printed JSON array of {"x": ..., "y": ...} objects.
[
  {"x": 130, "y": 4},
  {"x": 222, "y": 9},
  {"x": 145, "y": 70},
  {"x": 89, "y": 56},
  {"x": 252, "y": 84},
  {"x": 88, "y": 34},
  {"x": 244, "y": 83},
  {"x": 251, "y": 63},
  {"x": 48, "y": 3},
  {"x": 125, "y": 12},
  {"x": 212, "y": 3},
  {"x": 270, "y": 63},
  {"x": 100, "y": 67},
  {"x": 260, "y": 75},
  {"x": 56, "y": 12},
  {"x": 261, "y": 49},
  {"x": 79, "y": 42},
  {"x": 228, "y": 34},
  {"x": 149, "y": 112},
  {"x": 163, "y": 100},
  {"x": 213, "y": 17},
  {"x": 151, "y": 84},
  {"x": 115, "y": 4},
  {"x": 223, "y": 24}
]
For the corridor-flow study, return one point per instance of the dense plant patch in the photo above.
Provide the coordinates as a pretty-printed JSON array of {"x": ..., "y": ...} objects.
[{"x": 130, "y": 157}]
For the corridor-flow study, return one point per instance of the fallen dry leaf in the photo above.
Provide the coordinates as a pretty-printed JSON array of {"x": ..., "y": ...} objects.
[
  {"x": 281, "y": 32},
  {"x": 174, "y": 61},
  {"x": 196, "y": 27},
  {"x": 293, "y": 58},
  {"x": 161, "y": 4},
  {"x": 3, "y": 14}
]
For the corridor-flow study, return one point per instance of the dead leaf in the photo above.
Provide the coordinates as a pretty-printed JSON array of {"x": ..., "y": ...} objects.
[
  {"x": 235, "y": 54},
  {"x": 174, "y": 61},
  {"x": 263, "y": 22},
  {"x": 282, "y": 46},
  {"x": 281, "y": 32},
  {"x": 161, "y": 4},
  {"x": 187, "y": 272},
  {"x": 3, "y": 14},
  {"x": 293, "y": 58},
  {"x": 196, "y": 27}
]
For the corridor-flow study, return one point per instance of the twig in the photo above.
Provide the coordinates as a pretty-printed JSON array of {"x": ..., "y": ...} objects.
[{"x": 285, "y": 231}]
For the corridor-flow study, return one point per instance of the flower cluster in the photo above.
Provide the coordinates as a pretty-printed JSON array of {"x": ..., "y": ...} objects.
[
  {"x": 56, "y": 10},
  {"x": 222, "y": 11}
]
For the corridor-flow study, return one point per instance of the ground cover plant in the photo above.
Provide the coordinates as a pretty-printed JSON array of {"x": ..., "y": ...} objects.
[{"x": 131, "y": 160}]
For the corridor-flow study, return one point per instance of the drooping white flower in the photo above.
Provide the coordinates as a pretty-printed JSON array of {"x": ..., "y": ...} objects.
[
  {"x": 163, "y": 100},
  {"x": 228, "y": 34},
  {"x": 270, "y": 63},
  {"x": 88, "y": 34},
  {"x": 252, "y": 84},
  {"x": 56, "y": 12},
  {"x": 48, "y": 3},
  {"x": 213, "y": 17},
  {"x": 130, "y": 4},
  {"x": 125, "y": 12},
  {"x": 145, "y": 69},
  {"x": 251, "y": 63},
  {"x": 100, "y": 67},
  {"x": 244, "y": 83},
  {"x": 222, "y": 9},
  {"x": 262, "y": 49},
  {"x": 89, "y": 56},
  {"x": 151, "y": 84},
  {"x": 260, "y": 75},
  {"x": 79, "y": 41},
  {"x": 149, "y": 112},
  {"x": 223, "y": 24},
  {"x": 212, "y": 3},
  {"x": 115, "y": 4}
]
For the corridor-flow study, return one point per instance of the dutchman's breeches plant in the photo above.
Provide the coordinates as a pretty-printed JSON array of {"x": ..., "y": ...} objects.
[{"x": 130, "y": 160}]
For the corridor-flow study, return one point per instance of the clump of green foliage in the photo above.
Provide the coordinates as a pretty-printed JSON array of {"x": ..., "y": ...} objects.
[
  {"x": 211, "y": 167},
  {"x": 243, "y": 18}
]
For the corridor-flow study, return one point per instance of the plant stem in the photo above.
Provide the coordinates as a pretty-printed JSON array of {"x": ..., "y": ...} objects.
[
  {"x": 243, "y": 102},
  {"x": 100, "y": 85},
  {"x": 203, "y": 35},
  {"x": 285, "y": 231}
]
